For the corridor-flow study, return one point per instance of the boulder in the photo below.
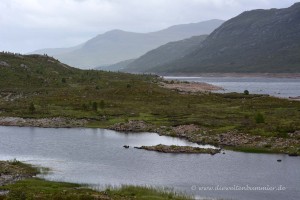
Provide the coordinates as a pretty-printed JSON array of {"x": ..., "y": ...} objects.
[{"x": 4, "y": 64}]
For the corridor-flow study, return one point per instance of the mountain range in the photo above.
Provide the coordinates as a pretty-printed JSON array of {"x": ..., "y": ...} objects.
[
  {"x": 117, "y": 45},
  {"x": 164, "y": 54},
  {"x": 260, "y": 41}
]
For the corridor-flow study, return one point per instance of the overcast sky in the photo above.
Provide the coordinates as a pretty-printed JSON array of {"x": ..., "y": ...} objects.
[{"x": 27, "y": 25}]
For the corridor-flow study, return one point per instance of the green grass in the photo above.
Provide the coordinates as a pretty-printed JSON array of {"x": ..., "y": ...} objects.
[
  {"x": 146, "y": 193},
  {"x": 41, "y": 84},
  {"x": 15, "y": 167},
  {"x": 39, "y": 189}
]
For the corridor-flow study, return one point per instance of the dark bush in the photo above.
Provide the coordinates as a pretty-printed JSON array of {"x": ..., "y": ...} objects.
[{"x": 259, "y": 118}]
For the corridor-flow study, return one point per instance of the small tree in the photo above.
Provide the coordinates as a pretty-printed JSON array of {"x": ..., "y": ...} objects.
[
  {"x": 259, "y": 118},
  {"x": 246, "y": 92},
  {"x": 84, "y": 106},
  {"x": 31, "y": 108},
  {"x": 102, "y": 104},
  {"x": 95, "y": 106},
  {"x": 63, "y": 80}
]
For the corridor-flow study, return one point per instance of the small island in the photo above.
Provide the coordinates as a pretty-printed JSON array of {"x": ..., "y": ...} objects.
[{"x": 180, "y": 149}]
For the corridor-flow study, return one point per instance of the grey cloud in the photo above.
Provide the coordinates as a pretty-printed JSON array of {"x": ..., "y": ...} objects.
[{"x": 28, "y": 25}]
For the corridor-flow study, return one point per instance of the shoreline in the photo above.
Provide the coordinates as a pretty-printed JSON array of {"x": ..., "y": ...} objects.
[
  {"x": 179, "y": 149},
  {"x": 231, "y": 140},
  {"x": 236, "y": 75},
  {"x": 18, "y": 181},
  {"x": 190, "y": 87}
]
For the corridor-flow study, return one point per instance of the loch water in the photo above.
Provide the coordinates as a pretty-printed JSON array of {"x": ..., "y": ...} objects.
[{"x": 97, "y": 157}]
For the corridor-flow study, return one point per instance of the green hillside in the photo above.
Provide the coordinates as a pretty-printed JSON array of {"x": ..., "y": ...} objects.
[{"x": 46, "y": 88}]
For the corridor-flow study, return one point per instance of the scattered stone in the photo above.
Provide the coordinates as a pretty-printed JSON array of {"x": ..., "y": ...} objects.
[
  {"x": 293, "y": 154},
  {"x": 180, "y": 149},
  {"x": 52, "y": 61},
  {"x": 4, "y": 192},
  {"x": 11, "y": 173},
  {"x": 199, "y": 135},
  {"x": 192, "y": 87},
  {"x": 4, "y": 64},
  {"x": 295, "y": 98},
  {"x": 57, "y": 122},
  {"x": 278, "y": 160},
  {"x": 185, "y": 129},
  {"x": 131, "y": 126},
  {"x": 23, "y": 66},
  {"x": 295, "y": 134},
  {"x": 126, "y": 146}
]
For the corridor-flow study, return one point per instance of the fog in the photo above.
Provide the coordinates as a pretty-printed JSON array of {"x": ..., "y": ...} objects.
[{"x": 27, "y": 25}]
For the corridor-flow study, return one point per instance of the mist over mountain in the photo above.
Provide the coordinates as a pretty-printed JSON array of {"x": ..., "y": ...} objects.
[
  {"x": 164, "y": 54},
  {"x": 117, "y": 45},
  {"x": 254, "y": 41},
  {"x": 119, "y": 66}
]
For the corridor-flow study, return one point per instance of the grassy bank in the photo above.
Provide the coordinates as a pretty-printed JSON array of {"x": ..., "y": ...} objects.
[
  {"x": 41, "y": 87},
  {"x": 35, "y": 188}
]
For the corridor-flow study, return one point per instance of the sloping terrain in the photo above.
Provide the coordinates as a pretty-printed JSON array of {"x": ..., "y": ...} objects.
[
  {"x": 35, "y": 89},
  {"x": 117, "y": 45},
  {"x": 165, "y": 54},
  {"x": 254, "y": 41}
]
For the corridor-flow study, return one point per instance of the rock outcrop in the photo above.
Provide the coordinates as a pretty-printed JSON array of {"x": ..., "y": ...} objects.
[
  {"x": 180, "y": 149},
  {"x": 57, "y": 122}
]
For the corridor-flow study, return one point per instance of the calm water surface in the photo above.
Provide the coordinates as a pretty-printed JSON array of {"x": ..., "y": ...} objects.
[
  {"x": 96, "y": 157},
  {"x": 279, "y": 87}
]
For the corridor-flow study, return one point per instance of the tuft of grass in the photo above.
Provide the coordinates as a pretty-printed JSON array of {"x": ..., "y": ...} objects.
[
  {"x": 259, "y": 118},
  {"x": 39, "y": 189},
  {"x": 147, "y": 193},
  {"x": 15, "y": 167},
  {"x": 35, "y": 188}
]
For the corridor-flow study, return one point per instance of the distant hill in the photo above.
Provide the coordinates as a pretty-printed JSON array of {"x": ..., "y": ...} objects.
[
  {"x": 117, "y": 45},
  {"x": 164, "y": 54},
  {"x": 32, "y": 71},
  {"x": 120, "y": 66},
  {"x": 254, "y": 41}
]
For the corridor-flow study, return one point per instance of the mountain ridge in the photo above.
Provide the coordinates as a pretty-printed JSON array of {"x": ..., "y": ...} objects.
[
  {"x": 255, "y": 41},
  {"x": 164, "y": 54},
  {"x": 117, "y": 45}
]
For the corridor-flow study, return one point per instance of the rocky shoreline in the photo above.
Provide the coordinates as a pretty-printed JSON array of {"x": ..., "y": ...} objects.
[
  {"x": 189, "y": 87},
  {"x": 193, "y": 133},
  {"x": 57, "y": 122},
  {"x": 231, "y": 140},
  {"x": 246, "y": 75},
  {"x": 13, "y": 171},
  {"x": 180, "y": 149}
]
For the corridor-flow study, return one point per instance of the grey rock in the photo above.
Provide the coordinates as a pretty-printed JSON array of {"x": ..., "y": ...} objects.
[{"x": 4, "y": 64}]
